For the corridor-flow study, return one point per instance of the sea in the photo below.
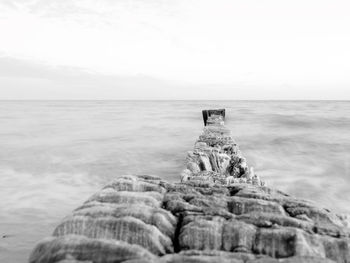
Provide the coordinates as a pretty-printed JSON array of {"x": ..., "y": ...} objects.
[{"x": 55, "y": 154}]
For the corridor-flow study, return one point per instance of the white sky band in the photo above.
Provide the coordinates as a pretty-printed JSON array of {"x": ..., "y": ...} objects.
[{"x": 181, "y": 49}]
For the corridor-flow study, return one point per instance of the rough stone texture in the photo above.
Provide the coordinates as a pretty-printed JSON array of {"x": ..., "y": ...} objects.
[
  {"x": 205, "y": 218},
  {"x": 217, "y": 158},
  {"x": 73, "y": 248}
]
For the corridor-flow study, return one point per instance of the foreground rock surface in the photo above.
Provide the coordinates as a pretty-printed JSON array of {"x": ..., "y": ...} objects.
[
  {"x": 220, "y": 212},
  {"x": 144, "y": 219}
]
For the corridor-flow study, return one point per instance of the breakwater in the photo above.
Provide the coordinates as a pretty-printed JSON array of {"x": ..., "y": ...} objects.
[{"x": 220, "y": 212}]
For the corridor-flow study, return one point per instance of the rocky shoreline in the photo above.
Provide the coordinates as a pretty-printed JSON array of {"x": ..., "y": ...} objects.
[{"x": 221, "y": 211}]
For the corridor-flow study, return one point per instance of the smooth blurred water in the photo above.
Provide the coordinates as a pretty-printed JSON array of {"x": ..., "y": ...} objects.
[{"x": 55, "y": 154}]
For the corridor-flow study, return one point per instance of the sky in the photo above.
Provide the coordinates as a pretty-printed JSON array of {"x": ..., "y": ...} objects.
[{"x": 175, "y": 49}]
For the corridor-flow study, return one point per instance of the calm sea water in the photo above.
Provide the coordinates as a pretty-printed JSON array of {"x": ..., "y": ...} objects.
[{"x": 55, "y": 154}]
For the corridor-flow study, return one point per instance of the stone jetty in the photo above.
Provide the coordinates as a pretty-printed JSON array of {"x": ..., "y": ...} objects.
[
  {"x": 216, "y": 156},
  {"x": 221, "y": 211}
]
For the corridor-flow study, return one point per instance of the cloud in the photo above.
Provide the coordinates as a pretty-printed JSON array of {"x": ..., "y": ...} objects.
[
  {"x": 26, "y": 79},
  {"x": 102, "y": 8},
  {"x": 23, "y": 79},
  {"x": 265, "y": 48}
]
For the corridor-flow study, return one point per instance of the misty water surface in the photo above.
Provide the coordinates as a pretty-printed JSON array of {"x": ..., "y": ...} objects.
[{"x": 55, "y": 154}]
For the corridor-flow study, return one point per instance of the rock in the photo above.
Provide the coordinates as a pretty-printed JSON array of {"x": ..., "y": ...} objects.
[
  {"x": 220, "y": 212},
  {"x": 179, "y": 205},
  {"x": 251, "y": 173},
  {"x": 129, "y": 229},
  {"x": 221, "y": 254},
  {"x": 109, "y": 195},
  {"x": 179, "y": 258},
  {"x": 79, "y": 248},
  {"x": 130, "y": 183},
  {"x": 230, "y": 180},
  {"x": 160, "y": 218},
  {"x": 204, "y": 163},
  {"x": 238, "y": 236},
  {"x": 202, "y": 233},
  {"x": 186, "y": 175},
  {"x": 242, "y": 180},
  {"x": 336, "y": 249},
  {"x": 198, "y": 216},
  {"x": 214, "y": 161},
  {"x": 256, "y": 180},
  {"x": 319, "y": 215},
  {"x": 193, "y": 167},
  {"x": 241, "y": 205},
  {"x": 263, "y": 219},
  {"x": 287, "y": 242},
  {"x": 201, "y": 146},
  {"x": 305, "y": 260},
  {"x": 224, "y": 160}
]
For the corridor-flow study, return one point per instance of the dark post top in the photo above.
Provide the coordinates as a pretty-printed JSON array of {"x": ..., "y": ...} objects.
[{"x": 208, "y": 113}]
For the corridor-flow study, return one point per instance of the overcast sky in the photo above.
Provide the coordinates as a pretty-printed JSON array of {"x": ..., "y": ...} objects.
[{"x": 174, "y": 49}]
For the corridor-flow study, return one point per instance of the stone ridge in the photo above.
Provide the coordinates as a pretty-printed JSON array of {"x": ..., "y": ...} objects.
[
  {"x": 144, "y": 219},
  {"x": 216, "y": 157},
  {"x": 220, "y": 212}
]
